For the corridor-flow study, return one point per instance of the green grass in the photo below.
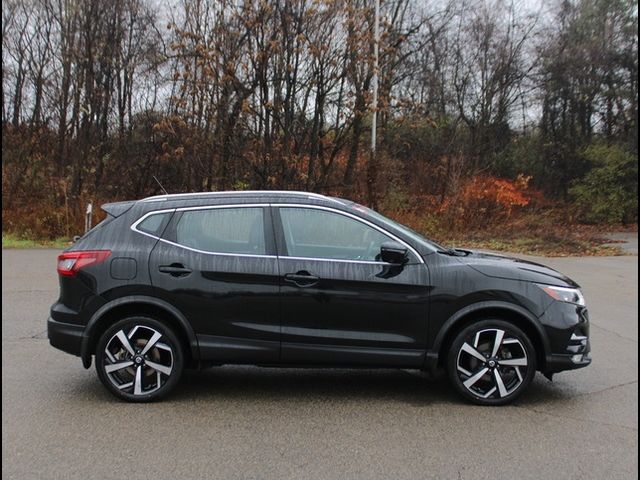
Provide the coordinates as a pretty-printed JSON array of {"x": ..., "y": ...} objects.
[{"x": 10, "y": 240}]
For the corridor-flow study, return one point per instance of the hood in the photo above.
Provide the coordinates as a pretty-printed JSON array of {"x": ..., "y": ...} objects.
[{"x": 501, "y": 266}]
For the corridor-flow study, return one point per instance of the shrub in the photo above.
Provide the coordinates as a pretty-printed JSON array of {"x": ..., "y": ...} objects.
[
  {"x": 609, "y": 192},
  {"x": 485, "y": 199}
]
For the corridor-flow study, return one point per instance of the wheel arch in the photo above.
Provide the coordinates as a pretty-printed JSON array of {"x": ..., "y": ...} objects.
[
  {"x": 515, "y": 314},
  {"x": 138, "y": 305}
]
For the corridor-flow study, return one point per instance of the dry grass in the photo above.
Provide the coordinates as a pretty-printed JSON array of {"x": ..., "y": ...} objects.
[{"x": 547, "y": 233}]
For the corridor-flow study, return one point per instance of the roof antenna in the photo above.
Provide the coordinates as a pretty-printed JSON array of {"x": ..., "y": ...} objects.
[{"x": 163, "y": 189}]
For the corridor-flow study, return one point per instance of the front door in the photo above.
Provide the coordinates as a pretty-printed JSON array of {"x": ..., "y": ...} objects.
[
  {"x": 217, "y": 265},
  {"x": 340, "y": 304}
]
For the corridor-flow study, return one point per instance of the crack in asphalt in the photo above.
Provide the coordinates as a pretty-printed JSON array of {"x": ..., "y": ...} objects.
[
  {"x": 35, "y": 336},
  {"x": 612, "y": 332},
  {"x": 29, "y": 290},
  {"x": 613, "y": 387},
  {"x": 577, "y": 419},
  {"x": 584, "y": 419}
]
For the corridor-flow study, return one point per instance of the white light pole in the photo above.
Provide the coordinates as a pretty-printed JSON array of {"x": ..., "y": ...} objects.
[
  {"x": 376, "y": 42},
  {"x": 88, "y": 217}
]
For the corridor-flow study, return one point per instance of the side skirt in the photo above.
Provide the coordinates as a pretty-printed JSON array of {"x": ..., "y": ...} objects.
[
  {"x": 324, "y": 355},
  {"x": 227, "y": 350}
]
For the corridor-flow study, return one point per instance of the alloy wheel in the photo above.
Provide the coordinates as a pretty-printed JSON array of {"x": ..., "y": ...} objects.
[
  {"x": 492, "y": 364},
  {"x": 138, "y": 362}
]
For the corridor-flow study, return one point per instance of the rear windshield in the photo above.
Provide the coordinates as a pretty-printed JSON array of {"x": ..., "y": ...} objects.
[{"x": 107, "y": 220}]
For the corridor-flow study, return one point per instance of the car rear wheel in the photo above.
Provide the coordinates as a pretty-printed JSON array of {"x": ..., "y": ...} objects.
[
  {"x": 139, "y": 359},
  {"x": 491, "y": 362}
]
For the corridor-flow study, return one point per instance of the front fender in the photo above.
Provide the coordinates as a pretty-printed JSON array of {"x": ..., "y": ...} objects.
[{"x": 454, "y": 320}]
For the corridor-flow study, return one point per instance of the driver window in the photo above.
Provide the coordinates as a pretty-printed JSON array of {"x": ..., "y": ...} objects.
[{"x": 312, "y": 233}]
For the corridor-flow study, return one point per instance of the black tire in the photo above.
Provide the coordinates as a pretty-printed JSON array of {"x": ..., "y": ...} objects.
[
  {"x": 497, "y": 378},
  {"x": 144, "y": 375}
]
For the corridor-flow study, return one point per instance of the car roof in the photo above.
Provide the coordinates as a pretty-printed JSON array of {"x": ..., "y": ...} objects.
[{"x": 272, "y": 195}]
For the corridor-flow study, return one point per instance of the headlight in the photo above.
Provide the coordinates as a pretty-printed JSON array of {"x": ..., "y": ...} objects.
[{"x": 564, "y": 294}]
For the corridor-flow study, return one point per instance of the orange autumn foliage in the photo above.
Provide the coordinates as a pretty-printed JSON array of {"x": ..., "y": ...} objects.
[{"x": 485, "y": 198}]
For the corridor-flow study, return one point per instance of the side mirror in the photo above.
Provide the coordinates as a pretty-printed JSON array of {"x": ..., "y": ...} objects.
[{"x": 394, "y": 253}]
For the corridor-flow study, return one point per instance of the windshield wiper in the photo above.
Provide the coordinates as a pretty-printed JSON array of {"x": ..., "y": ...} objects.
[{"x": 455, "y": 252}]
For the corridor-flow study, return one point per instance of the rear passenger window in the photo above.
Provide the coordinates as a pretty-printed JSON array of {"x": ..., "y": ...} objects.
[
  {"x": 154, "y": 224},
  {"x": 223, "y": 230}
]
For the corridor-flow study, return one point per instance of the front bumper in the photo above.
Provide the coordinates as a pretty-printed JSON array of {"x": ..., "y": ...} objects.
[
  {"x": 559, "y": 363},
  {"x": 567, "y": 327},
  {"x": 65, "y": 336}
]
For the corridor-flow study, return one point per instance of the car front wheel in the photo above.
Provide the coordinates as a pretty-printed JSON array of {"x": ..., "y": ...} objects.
[{"x": 491, "y": 362}]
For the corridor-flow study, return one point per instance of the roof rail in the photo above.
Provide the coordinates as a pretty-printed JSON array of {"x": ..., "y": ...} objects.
[{"x": 160, "y": 198}]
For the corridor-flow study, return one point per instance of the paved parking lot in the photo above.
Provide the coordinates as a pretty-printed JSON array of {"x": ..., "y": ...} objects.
[{"x": 251, "y": 423}]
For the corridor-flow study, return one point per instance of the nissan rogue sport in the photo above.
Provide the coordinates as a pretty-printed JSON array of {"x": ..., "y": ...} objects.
[{"x": 300, "y": 279}]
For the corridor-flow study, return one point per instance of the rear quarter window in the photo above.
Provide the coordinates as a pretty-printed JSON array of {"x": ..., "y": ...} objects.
[{"x": 154, "y": 224}]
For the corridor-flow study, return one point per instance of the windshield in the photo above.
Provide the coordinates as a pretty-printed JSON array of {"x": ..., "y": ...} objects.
[{"x": 415, "y": 236}]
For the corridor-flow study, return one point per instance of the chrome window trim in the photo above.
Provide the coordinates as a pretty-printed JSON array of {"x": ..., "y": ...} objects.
[
  {"x": 204, "y": 207},
  {"x": 262, "y": 205},
  {"x": 354, "y": 217},
  {"x": 339, "y": 260},
  {"x": 135, "y": 224}
]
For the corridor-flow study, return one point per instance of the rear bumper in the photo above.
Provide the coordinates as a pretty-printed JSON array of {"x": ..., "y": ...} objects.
[{"x": 65, "y": 336}]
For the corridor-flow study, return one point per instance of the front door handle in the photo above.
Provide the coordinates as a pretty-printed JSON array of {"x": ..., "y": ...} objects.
[
  {"x": 302, "y": 279},
  {"x": 175, "y": 270}
]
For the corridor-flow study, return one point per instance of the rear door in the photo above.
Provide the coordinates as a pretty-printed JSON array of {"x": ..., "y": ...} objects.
[
  {"x": 217, "y": 265},
  {"x": 340, "y": 304}
]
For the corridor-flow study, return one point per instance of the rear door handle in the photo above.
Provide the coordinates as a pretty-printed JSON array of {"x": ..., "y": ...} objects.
[
  {"x": 175, "y": 270},
  {"x": 302, "y": 279}
]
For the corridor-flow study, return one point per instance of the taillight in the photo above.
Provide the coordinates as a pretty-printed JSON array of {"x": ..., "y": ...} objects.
[{"x": 70, "y": 262}]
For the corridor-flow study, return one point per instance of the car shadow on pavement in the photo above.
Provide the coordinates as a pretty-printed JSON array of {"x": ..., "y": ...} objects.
[
  {"x": 382, "y": 385},
  {"x": 295, "y": 384},
  {"x": 250, "y": 384}
]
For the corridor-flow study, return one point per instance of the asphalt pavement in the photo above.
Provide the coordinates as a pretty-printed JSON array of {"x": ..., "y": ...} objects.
[
  {"x": 58, "y": 422},
  {"x": 626, "y": 241}
]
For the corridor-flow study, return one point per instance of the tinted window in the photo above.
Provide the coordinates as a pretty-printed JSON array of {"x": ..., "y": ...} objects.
[
  {"x": 415, "y": 236},
  {"x": 154, "y": 224},
  {"x": 107, "y": 220},
  {"x": 322, "y": 234},
  {"x": 223, "y": 230}
]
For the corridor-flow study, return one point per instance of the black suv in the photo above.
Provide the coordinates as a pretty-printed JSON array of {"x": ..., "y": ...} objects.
[{"x": 299, "y": 279}]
